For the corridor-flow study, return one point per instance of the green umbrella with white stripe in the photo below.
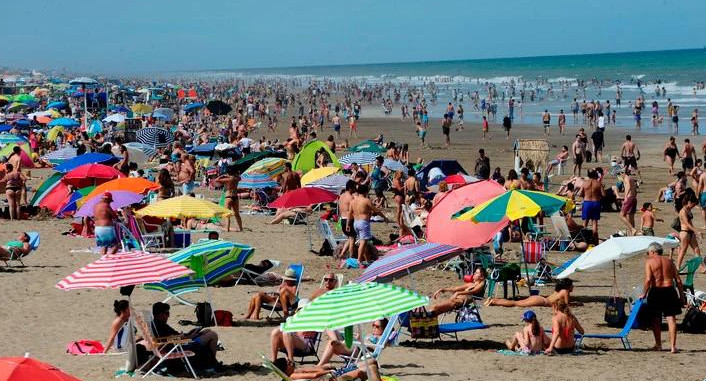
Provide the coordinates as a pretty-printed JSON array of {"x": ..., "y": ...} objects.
[{"x": 353, "y": 304}]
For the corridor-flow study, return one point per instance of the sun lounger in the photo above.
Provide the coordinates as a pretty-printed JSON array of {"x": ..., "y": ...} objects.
[
  {"x": 389, "y": 337},
  {"x": 622, "y": 335},
  {"x": 325, "y": 230},
  {"x": 449, "y": 329},
  {"x": 33, "y": 244}
]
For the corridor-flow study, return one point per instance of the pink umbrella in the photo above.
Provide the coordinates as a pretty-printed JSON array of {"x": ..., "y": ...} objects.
[
  {"x": 303, "y": 197},
  {"x": 25, "y": 160},
  {"x": 441, "y": 228},
  {"x": 120, "y": 199}
]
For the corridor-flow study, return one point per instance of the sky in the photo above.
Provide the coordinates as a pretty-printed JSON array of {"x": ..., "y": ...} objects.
[{"x": 145, "y": 36}]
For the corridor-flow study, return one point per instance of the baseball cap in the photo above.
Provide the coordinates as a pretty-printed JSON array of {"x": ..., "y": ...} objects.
[
  {"x": 108, "y": 195},
  {"x": 528, "y": 315}
]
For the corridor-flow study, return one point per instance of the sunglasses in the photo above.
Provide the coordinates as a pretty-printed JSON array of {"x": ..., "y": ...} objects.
[
  {"x": 377, "y": 326},
  {"x": 329, "y": 279}
]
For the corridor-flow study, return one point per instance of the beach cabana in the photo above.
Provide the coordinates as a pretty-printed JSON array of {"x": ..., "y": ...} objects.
[
  {"x": 531, "y": 153},
  {"x": 306, "y": 158}
]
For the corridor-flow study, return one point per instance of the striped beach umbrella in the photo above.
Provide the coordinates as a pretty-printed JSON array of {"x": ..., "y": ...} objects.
[
  {"x": 45, "y": 187},
  {"x": 222, "y": 258},
  {"x": 334, "y": 183},
  {"x": 361, "y": 158},
  {"x": 406, "y": 260},
  {"x": 184, "y": 207},
  {"x": 514, "y": 205},
  {"x": 394, "y": 166},
  {"x": 271, "y": 166},
  {"x": 123, "y": 269},
  {"x": 12, "y": 138},
  {"x": 148, "y": 151},
  {"x": 353, "y": 304},
  {"x": 155, "y": 137},
  {"x": 256, "y": 181}
]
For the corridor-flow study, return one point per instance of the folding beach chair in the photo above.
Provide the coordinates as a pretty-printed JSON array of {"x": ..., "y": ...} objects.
[
  {"x": 564, "y": 238},
  {"x": 33, "y": 245},
  {"x": 153, "y": 238},
  {"x": 339, "y": 280},
  {"x": 325, "y": 230},
  {"x": 389, "y": 337},
  {"x": 275, "y": 308},
  {"x": 313, "y": 352},
  {"x": 689, "y": 269},
  {"x": 411, "y": 221},
  {"x": 622, "y": 335},
  {"x": 160, "y": 346}
]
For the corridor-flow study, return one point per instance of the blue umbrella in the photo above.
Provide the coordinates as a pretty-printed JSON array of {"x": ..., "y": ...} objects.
[
  {"x": 12, "y": 138},
  {"x": 22, "y": 123},
  {"x": 157, "y": 115},
  {"x": 64, "y": 122},
  {"x": 87, "y": 158},
  {"x": 57, "y": 105},
  {"x": 204, "y": 149},
  {"x": 120, "y": 108},
  {"x": 193, "y": 106},
  {"x": 5, "y": 127}
]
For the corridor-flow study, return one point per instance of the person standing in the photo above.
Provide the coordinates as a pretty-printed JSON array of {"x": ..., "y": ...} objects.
[
  {"x": 459, "y": 111},
  {"x": 562, "y": 122},
  {"x": 361, "y": 209},
  {"x": 630, "y": 153},
  {"x": 688, "y": 155},
  {"x": 578, "y": 150},
  {"x": 629, "y": 206},
  {"x": 546, "y": 119},
  {"x": 14, "y": 184},
  {"x": 598, "y": 143},
  {"x": 663, "y": 299},
  {"x": 482, "y": 168},
  {"x": 695, "y": 122},
  {"x": 104, "y": 218},
  {"x": 593, "y": 192},
  {"x": 232, "y": 202},
  {"x": 507, "y": 125},
  {"x": 485, "y": 127},
  {"x": 446, "y": 130},
  {"x": 290, "y": 179},
  {"x": 344, "y": 205}
]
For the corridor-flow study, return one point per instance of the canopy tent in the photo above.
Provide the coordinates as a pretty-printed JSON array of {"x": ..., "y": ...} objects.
[{"x": 306, "y": 158}]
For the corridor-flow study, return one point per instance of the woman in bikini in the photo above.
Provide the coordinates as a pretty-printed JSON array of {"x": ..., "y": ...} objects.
[
  {"x": 562, "y": 291},
  {"x": 166, "y": 185},
  {"x": 461, "y": 294},
  {"x": 14, "y": 184},
  {"x": 230, "y": 181},
  {"x": 564, "y": 323},
  {"x": 687, "y": 230}
]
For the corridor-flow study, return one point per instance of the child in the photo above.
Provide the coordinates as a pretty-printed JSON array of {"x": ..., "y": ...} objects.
[
  {"x": 532, "y": 339},
  {"x": 648, "y": 219}
]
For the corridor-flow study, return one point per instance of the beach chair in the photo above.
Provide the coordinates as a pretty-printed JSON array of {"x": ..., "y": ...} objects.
[
  {"x": 275, "y": 308},
  {"x": 153, "y": 238},
  {"x": 33, "y": 245},
  {"x": 160, "y": 347},
  {"x": 534, "y": 252},
  {"x": 302, "y": 355},
  {"x": 325, "y": 230},
  {"x": 622, "y": 335},
  {"x": 267, "y": 364},
  {"x": 411, "y": 220},
  {"x": 689, "y": 269},
  {"x": 563, "y": 235},
  {"x": 536, "y": 232},
  {"x": 389, "y": 337},
  {"x": 339, "y": 280}
]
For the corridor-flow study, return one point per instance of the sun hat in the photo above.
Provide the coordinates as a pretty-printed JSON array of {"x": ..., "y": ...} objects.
[{"x": 290, "y": 274}]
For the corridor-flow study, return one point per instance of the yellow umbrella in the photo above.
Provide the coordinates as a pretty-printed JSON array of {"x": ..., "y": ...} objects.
[
  {"x": 54, "y": 132},
  {"x": 53, "y": 113},
  {"x": 317, "y": 174},
  {"x": 184, "y": 207},
  {"x": 39, "y": 91},
  {"x": 141, "y": 108}
]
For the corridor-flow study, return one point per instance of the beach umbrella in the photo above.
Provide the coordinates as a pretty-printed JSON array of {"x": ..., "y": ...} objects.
[
  {"x": 43, "y": 119},
  {"x": 407, "y": 259},
  {"x": 367, "y": 146},
  {"x": 16, "y": 106},
  {"x": 53, "y": 113},
  {"x": 141, "y": 108},
  {"x": 147, "y": 151},
  {"x": 57, "y": 105},
  {"x": 155, "y": 137},
  {"x": 83, "y": 81},
  {"x": 303, "y": 197},
  {"x": 193, "y": 106},
  {"x": 121, "y": 199},
  {"x": 318, "y": 174},
  {"x": 516, "y": 204},
  {"x": 91, "y": 174},
  {"x": 45, "y": 187},
  {"x": 116, "y": 118},
  {"x": 270, "y": 166},
  {"x": 131, "y": 184},
  {"x": 167, "y": 112},
  {"x": 24, "y": 123},
  {"x": 334, "y": 183},
  {"x": 613, "y": 250},
  {"x": 361, "y": 158},
  {"x": 123, "y": 269},
  {"x": 64, "y": 122},
  {"x": 5, "y": 127},
  {"x": 29, "y": 369},
  {"x": 256, "y": 181},
  {"x": 184, "y": 207},
  {"x": 218, "y": 107},
  {"x": 394, "y": 166},
  {"x": 71, "y": 203},
  {"x": 54, "y": 132},
  {"x": 245, "y": 162},
  {"x": 86, "y": 158},
  {"x": 37, "y": 114},
  {"x": 24, "y": 98},
  {"x": 25, "y": 151},
  {"x": 61, "y": 155},
  {"x": 442, "y": 228},
  {"x": 454, "y": 181},
  {"x": 55, "y": 198},
  {"x": 4, "y": 99},
  {"x": 120, "y": 109},
  {"x": 353, "y": 304},
  {"x": 204, "y": 149},
  {"x": 6, "y": 138},
  {"x": 157, "y": 115}
]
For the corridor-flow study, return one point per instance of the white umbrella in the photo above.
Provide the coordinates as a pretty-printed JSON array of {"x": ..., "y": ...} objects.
[
  {"x": 613, "y": 250},
  {"x": 395, "y": 166},
  {"x": 83, "y": 81},
  {"x": 117, "y": 118}
]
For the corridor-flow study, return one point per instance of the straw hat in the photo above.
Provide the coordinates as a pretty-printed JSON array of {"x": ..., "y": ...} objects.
[{"x": 290, "y": 274}]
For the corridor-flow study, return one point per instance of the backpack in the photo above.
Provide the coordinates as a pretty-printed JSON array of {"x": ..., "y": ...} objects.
[
  {"x": 694, "y": 321},
  {"x": 326, "y": 249},
  {"x": 224, "y": 318},
  {"x": 84, "y": 347},
  {"x": 204, "y": 314}
]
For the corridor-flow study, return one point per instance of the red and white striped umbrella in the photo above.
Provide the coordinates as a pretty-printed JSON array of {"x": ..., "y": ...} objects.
[{"x": 123, "y": 269}]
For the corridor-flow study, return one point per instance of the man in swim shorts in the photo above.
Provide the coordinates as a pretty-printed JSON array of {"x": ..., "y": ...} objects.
[
  {"x": 361, "y": 209},
  {"x": 104, "y": 218},
  {"x": 591, "y": 207},
  {"x": 662, "y": 297}
]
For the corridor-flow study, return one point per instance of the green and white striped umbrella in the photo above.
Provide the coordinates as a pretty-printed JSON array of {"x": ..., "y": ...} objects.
[{"x": 353, "y": 304}]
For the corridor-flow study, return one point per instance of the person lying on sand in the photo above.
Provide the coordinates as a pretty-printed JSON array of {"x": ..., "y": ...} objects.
[
  {"x": 16, "y": 249},
  {"x": 327, "y": 372},
  {"x": 461, "y": 294},
  {"x": 562, "y": 290}
]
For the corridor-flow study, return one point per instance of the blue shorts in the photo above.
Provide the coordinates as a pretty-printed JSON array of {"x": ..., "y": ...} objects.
[
  {"x": 105, "y": 236},
  {"x": 187, "y": 188},
  {"x": 362, "y": 227},
  {"x": 702, "y": 200},
  {"x": 591, "y": 210},
  {"x": 337, "y": 127}
]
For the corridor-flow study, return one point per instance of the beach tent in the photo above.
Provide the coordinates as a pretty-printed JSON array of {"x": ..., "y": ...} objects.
[
  {"x": 306, "y": 158},
  {"x": 447, "y": 167}
]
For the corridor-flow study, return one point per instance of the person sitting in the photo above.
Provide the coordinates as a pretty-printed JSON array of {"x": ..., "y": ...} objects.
[
  {"x": 287, "y": 213},
  {"x": 286, "y": 292},
  {"x": 564, "y": 323},
  {"x": 119, "y": 335},
  {"x": 339, "y": 348},
  {"x": 558, "y": 160},
  {"x": 562, "y": 290},
  {"x": 532, "y": 339},
  {"x": 461, "y": 294},
  {"x": 16, "y": 249},
  {"x": 361, "y": 372},
  {"x": 204, "y": 342}
]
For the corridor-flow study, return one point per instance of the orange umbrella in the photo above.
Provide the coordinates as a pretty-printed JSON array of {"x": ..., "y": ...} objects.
[
  {"x": 130, "y": 184},
  {"x": 25, "y": 368},
  {"x": 43, "y": 119}
]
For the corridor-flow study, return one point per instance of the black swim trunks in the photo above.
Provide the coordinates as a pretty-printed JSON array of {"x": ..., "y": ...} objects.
[
  {"x": 348, "y": 230},
  {"x": 663, "y": 301}
]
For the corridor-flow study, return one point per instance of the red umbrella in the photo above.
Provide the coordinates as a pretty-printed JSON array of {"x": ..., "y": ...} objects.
[
  {"x": 25, "y": 368},
  {"x": 441, "y": 228},
  {"x": 303, "y": 197},
  {"x": 56, "y": 198},
  {"x": 90, "y": 175}
]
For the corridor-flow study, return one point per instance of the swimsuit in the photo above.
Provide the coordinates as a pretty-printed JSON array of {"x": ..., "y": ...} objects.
[
  {"x": 663, "y": 301},
  {"x": 629, "y": 205},
  {"x": 648, "y": 231},
  {"x": 105, "y": 236},
  {"x": 347, "y": 231},
  {"x": 591, "y": 210},
  {"x": 362, "y": 227},
  {"x": 187, "y": 187}
]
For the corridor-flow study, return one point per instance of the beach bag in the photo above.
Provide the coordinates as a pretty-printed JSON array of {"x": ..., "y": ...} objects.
[
  {"x": 423, "y": 325},
  {"x": 468, "y": 313},
  {"x": 84, "y": 347},
  {"x": 615, "y": 312},
  {"x": 204, "y": 314},
  {"x": 694, "y": 321},
  {"x": 224, "y": 318}
]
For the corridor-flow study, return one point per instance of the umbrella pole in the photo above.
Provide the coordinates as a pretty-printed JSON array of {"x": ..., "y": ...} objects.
[
  {"x": 308, "y": 233},
  {"x": 524, "y": 259}
]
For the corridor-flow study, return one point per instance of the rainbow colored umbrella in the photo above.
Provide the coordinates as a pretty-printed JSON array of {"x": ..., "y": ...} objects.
[
  {"x": 271, "y": 166},
  {"x": 73, "y": 199},
  {"x": 131, "y": 184},
  {"x": 515, "y": 204},
  {"x": 45, "y": 187},
  {"x": 121, "y": 199}
]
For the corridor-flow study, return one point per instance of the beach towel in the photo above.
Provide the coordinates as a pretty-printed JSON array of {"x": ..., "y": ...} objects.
[{"x": 84, "y": 347}]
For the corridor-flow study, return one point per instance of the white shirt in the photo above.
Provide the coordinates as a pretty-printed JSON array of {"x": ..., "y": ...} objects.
[
  {"x": 245, "y": 142},
  {"x": 601, "y": 121}
]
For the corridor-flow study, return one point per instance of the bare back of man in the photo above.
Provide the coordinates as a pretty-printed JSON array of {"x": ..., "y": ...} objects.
[
  {"x": 104, "y": 217},
  {"x": 361, "y": 211},
  {"x": 662, "y": 298}
]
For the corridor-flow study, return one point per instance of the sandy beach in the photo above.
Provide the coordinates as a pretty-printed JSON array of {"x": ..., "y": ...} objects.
[{"x": 41, "y": 319}]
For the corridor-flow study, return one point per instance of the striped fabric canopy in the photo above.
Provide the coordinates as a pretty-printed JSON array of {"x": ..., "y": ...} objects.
[
  {"x": 256, "y": 180},
  {"x": 333, "y": 183},
  {"x": 407, "y": 259},
  {"x": 155, "y": 137},
  {"x": 270, "y": 166},
  {"x": 362, "y": 158},
  {"x": 353, "y": 304},
  {"x": 61, "y": 155},
  {"x": 123, "y": 269},
  {"x": 223, "y": 258},
  {"x": 148, "y": 151}
]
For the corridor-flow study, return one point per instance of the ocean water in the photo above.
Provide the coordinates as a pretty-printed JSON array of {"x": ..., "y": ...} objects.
[{"x": 676, "y": 70}]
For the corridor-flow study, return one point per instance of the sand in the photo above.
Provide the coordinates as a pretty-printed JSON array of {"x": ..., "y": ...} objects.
[{"x": 40, "y": 319}]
